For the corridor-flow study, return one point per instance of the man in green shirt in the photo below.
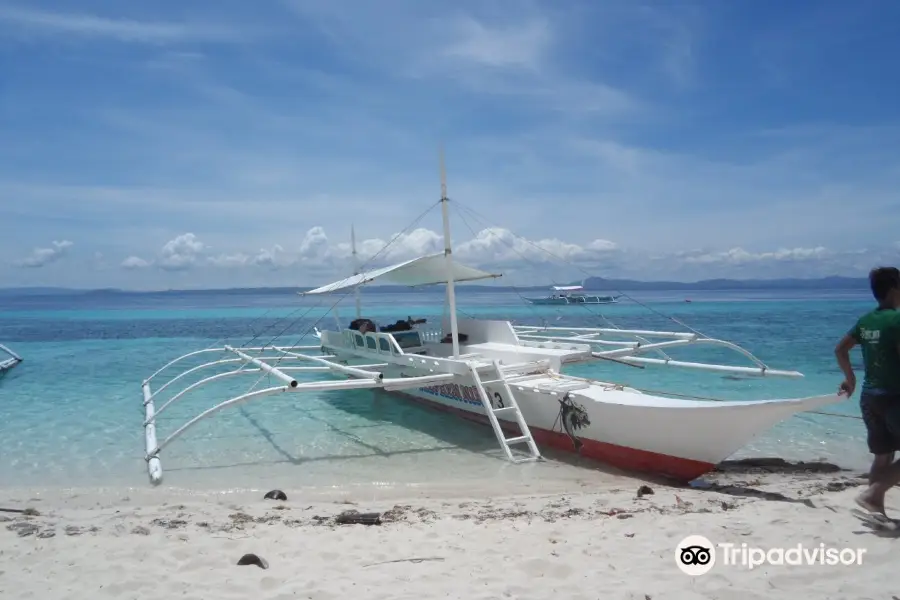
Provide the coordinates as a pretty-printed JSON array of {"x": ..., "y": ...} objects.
[{"x": 878, "y": 332}]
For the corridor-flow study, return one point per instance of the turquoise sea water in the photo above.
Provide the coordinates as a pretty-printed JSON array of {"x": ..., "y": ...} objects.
[{"x": 71, "y": 414}]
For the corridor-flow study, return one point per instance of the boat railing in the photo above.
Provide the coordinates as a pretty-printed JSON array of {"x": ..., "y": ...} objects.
[
  {"x": 391, "y": 341},
  {"x": 394, "y": 343},
  {"x": 432, "y": 334},
  {"x": 640, "y": 343},
  {"x": 402, "y": 348},
  {"x": 555, "y": 345}
]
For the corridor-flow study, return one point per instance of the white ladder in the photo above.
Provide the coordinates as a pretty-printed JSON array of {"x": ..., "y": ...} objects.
[{"x": 510, "y": 406}]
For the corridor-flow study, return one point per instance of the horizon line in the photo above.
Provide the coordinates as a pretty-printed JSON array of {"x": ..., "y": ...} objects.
[{"x": 720, "y": 281}]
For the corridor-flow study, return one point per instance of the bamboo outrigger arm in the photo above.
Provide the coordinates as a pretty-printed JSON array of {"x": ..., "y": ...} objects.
[
  {"x": 365, "y": 377},
  {"x": 628, "y": 351}
]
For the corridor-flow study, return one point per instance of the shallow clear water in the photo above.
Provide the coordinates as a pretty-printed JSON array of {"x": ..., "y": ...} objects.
[{"x": 71, "y": 414}]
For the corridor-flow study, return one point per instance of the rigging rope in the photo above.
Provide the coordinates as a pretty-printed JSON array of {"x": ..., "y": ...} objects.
[
  {"x": 644, "y": 390},
  {"x": 584, "y": 306},
  {"x": 472, "y": 231},
  {"x": 345, "y": 294},
  {"x": 529, "y": 261},
  {"x": 484, "y": 220},
  {"x": 360, "y": 268},
  {"x": 514, "y": 288}
]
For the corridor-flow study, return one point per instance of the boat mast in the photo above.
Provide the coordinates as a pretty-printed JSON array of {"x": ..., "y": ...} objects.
[
  {"x": 355, "y": 270},
  {"x": 448, "y": 256}
]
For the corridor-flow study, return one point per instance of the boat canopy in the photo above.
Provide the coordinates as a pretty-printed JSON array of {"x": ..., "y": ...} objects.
[
  {"x": 567, "y": 288},
  {"x": 425, "y": 270}
]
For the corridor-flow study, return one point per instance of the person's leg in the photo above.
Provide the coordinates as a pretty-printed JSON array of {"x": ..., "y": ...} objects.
[
  {"x": 879, "y": 464},
  {"x": 887, "y": 476},
  {"x": 881, "y": 443},
  {"x": 873, "y": 497}
]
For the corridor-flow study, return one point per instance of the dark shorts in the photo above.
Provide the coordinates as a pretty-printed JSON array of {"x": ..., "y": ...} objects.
[{"x": 881, "y": 414}]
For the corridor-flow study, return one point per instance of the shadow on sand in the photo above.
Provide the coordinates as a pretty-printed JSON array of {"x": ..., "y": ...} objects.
[
  {"x": 738, "y": 478},
  {"x": 742, "y": 477},
  {"x": 874, "y": 527}
]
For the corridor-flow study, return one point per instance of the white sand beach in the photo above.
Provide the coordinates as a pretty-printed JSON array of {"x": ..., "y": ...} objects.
[{"x": 587, "y": 544}]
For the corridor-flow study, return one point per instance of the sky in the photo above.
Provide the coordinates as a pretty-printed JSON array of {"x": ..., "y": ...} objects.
[{"x": 223, "y": 143}]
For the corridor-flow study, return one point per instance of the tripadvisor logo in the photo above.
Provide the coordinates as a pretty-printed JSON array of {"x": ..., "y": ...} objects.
[{"x": 695, "y": 555}]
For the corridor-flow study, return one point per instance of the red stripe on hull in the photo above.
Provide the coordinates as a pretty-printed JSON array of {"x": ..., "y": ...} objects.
[{"x": 628, "y": 459}]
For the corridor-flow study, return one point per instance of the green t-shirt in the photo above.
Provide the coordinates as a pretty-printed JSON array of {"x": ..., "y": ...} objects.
[{"x": 878, "y": 332}]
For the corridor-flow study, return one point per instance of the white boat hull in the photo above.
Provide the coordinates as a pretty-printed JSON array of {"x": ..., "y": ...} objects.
[{"x": 630, "y": 430}]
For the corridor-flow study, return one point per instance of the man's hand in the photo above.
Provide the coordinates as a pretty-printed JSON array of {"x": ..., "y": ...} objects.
[
  {"x": 847, "y": 387},
  {"x": 842, "y": 353}
]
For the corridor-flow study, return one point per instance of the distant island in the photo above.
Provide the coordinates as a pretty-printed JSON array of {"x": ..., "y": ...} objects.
[
  {"x": 597, "y": 284},
  {"x": 824, "y": 283}
]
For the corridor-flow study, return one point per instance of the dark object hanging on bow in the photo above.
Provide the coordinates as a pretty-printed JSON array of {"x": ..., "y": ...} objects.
[{"x": 573, "y": 417}]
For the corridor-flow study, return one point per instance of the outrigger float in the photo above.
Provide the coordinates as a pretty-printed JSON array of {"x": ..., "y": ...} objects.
[
  {"x": 510, "y": 377},
  {"x": 10, "y": 360}
]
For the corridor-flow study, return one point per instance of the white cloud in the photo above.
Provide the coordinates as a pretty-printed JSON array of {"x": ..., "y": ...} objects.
[
  {"x": 602, "y": 246},
  {"x": 396, "y": 248},
  {"x": 187, "y": 251},
  {"x": 42, "y": 257},
  {"x": 498, "y": 246},
  {"x": 317, "y": 258},
  {"x": 181, "y": 253},
  {"x": 314, "y": 247},
  {"x": 521, "y": 46},
  {"x": 271, "y": 258},
  {"x": 125, "y": 30},
  {"x": 494, "y": 247},
  {"x": 515, "y": 61},
  {"x": 739, "y": 256},
  {"x": 490, "y": 248},
  {"x": 500, "y": 50},
  {"x": 135, "y": 262}
]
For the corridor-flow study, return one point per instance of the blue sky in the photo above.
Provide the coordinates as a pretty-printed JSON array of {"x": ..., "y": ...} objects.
[{"x": 222, "y": 143}]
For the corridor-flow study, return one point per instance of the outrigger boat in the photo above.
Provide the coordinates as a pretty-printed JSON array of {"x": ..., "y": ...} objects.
[
  {"x": 510, "y": 377},
  {"x": 565, "y": 295},
  {"x": 10, "y": 360}
]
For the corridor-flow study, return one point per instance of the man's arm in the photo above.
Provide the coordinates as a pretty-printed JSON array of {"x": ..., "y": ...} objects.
[{"x": 842, "y": 353}]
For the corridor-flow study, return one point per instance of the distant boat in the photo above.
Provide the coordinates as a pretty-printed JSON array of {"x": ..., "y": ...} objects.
[
  {"x": 10, "y": 360},
  {"x": 564, "y": 294}
]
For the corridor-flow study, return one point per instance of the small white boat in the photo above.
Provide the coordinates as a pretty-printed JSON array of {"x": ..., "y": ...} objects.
[
  {"x": 510, "y": 377},
  {"x": 566, "y": 295},
  {"x": 8, "y": 359}
]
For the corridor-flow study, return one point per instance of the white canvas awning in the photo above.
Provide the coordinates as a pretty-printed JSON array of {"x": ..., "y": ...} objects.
[
  {"x": 425, "y": 270},
  {"x": 567, "y": 288}
]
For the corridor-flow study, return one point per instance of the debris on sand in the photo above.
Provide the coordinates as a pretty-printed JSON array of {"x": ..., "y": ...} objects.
[{"x": 252, "y": 559}]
